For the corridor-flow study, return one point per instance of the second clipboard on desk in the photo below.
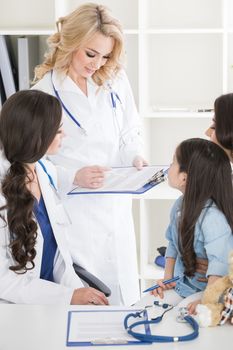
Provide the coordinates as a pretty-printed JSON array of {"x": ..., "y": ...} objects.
[
  {"x": 127, "y": 180},
  {"x": 101, "y": 326}
]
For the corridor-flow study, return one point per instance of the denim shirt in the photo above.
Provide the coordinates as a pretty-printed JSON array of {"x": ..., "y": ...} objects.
[{"x": 213, "y": 240}]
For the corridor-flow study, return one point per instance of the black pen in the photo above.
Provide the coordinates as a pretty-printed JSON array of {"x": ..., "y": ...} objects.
[{"x": 205, "y": 110}]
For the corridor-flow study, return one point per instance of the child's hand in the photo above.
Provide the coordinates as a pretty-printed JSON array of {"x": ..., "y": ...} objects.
[
  {"x": 192, "y": 307},
  {"x": 159, "y": 292}
]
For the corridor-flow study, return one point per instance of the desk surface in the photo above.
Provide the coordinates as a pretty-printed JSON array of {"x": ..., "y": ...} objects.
[{"x": 26, "y": 327}]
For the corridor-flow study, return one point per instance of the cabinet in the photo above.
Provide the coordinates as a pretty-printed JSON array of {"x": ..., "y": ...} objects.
[{"x": 179, "y": 59}]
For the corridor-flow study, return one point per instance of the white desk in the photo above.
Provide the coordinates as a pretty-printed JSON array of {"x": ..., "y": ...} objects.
[{"x": 24, "y": 327}]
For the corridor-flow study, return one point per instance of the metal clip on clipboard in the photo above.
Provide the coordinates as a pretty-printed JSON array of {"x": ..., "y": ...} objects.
[{"x": 158, "y": 177}]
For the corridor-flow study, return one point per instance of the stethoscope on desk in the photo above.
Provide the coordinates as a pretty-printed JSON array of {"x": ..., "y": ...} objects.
[
  {"x": 114, "y": 99},
  {"x": 147, "y": 337}
]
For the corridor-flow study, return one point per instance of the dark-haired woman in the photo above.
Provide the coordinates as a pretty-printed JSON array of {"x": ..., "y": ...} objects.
[
  {"x": 201, "y": 223},
  {"x": 35, "y": 264},
  {"x": 221, "y": 129}
]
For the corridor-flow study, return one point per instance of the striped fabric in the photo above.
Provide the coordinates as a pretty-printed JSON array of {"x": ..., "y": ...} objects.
[{"x": 228, "y": 307}]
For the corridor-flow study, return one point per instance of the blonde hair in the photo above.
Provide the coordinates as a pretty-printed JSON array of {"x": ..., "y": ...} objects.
[{"x": 76, "y": 29}]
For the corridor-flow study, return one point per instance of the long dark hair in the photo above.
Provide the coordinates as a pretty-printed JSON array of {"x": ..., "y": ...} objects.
[
  {"x": 29, "y": 121},
  {"x": 208, "y": 178},
  {"x": 223, "y": 108}
]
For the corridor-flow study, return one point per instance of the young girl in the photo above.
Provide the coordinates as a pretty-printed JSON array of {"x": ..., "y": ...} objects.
[
  {"x": 201, "y": 221},
  {"x": 35, "y": 264}
]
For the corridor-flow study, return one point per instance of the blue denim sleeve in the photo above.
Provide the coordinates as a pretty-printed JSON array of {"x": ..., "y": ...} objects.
[
  {"x": 218, "y": 241},
  {"x": 171, "y": 232}
]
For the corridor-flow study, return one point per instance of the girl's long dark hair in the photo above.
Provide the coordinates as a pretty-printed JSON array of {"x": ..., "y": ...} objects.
[
  {"x": 208, "y": 178},
  {"x": 223, "y": 109},
  {"x": 29, "y": 121}
]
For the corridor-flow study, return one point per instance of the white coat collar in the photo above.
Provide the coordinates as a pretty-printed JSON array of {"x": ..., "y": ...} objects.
[
  {"x": 63, "y": 83},
  {"x": 58, "y": 217}
]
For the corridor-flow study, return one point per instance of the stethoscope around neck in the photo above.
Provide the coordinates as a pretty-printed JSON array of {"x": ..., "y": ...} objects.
[
  {"x": 64, "y": 106},
  {"x": 113, "y": 96}
]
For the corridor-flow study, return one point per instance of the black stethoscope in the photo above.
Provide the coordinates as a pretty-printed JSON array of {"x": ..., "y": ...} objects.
[
  {"x": 113, "y": 95},
  {"x": 148, "y": 337}
]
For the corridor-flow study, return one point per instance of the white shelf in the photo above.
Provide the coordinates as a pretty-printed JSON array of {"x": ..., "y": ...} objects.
[
  {"x": 27, "y": 14},
  {"x": 26, "y": 31},
  {"x": 176, "y": 114},
  {"x": 184, "y": 31},
  {"x": 161, "y": 191}
]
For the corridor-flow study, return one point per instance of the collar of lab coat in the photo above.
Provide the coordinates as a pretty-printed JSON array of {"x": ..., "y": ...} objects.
[
  {"x": 57, "y": 215},
  {"x": 63, "y": 83},
  {"x": 54, "y": 206}
]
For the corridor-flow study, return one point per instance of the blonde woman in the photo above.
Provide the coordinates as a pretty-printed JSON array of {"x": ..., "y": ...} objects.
[{"x": 83, "y": 69}]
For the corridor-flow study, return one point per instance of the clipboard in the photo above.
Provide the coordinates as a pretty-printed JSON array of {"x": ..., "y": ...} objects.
[
  {"x": 127, "y": 180},
  {"x": 100, "y": 327}
]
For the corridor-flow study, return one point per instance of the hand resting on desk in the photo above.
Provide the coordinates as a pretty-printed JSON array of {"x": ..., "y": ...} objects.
[{"x": 85, "y": 296}]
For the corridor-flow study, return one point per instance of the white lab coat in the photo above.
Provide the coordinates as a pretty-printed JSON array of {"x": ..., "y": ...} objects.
[
  {"x": 28, "y": 288},
  {"x": 102, "y": 238}
]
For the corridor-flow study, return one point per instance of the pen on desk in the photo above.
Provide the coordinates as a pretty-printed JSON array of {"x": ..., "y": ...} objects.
[
  {"x": 205, "y": 110},
  {"x": 164, "y": 282}
]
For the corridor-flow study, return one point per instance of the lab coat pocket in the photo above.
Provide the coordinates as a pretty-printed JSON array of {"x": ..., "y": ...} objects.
[{"x": 62, "y": 217}]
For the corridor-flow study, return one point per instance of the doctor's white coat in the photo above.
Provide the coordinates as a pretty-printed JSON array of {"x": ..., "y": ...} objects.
[
  {"x": 28, "y": 288},
  {"x": 101, "y": 237}
]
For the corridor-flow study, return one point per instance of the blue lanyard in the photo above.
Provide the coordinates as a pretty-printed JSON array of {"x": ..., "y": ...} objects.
[
  {"x": 65, "y": 108},
  {"x": 49, "y": 176}
]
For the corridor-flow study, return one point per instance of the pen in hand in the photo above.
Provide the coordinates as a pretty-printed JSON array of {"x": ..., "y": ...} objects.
[{"x": 164, "y": 282}]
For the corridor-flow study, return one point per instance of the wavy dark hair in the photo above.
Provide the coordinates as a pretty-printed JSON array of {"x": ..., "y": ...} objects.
[
  {"x": 223, "y": 109},
  {"x": 29, "y": 121},
  {"x": 208, "y": 178}
]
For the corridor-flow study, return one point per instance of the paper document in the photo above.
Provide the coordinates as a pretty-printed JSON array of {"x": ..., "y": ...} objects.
[
  {"x": 127, "y": 180},
  {"x": 99, "y": 326}
]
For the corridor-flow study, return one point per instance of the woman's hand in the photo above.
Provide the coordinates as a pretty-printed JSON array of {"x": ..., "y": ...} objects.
[
  {"x": 191, "y": 307},
  {"x": 90, "y": 176},
  {"x": 139, "y": 162},
  {"x": 159, "y": 292},
  {"x": 85, "y": 296}
]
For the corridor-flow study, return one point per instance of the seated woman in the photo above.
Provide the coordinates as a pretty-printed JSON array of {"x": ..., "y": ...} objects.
[{"x": 35, "y": 264}]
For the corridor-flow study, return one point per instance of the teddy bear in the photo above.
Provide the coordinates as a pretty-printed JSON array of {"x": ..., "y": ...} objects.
[{"x": 217, "y": 302}]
